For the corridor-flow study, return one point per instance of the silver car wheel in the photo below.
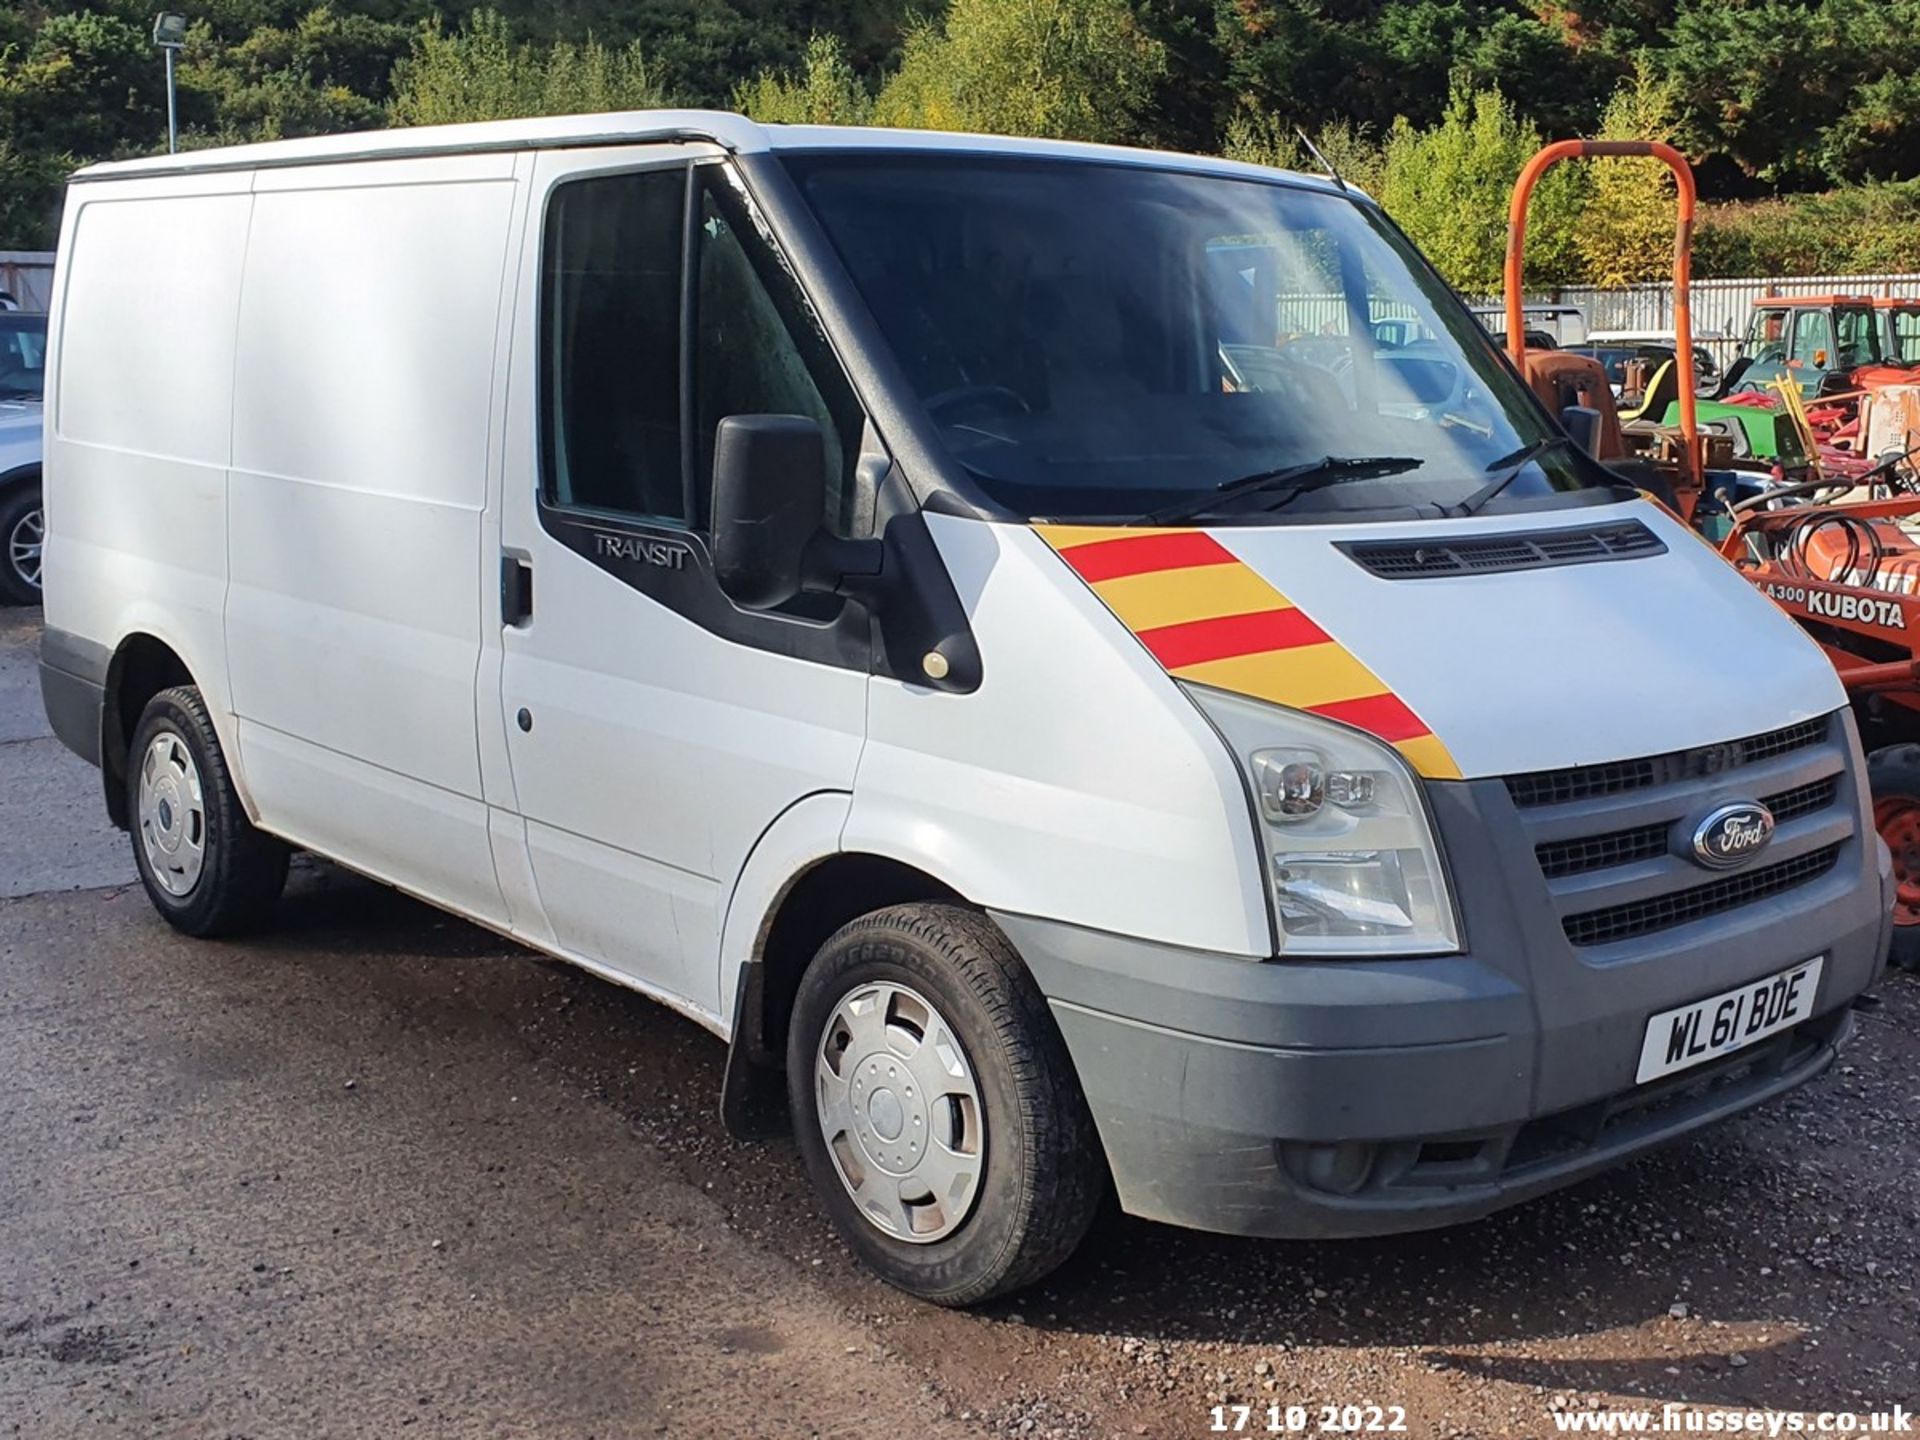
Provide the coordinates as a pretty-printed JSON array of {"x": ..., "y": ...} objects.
[
  {"x": 900, "y": 1110},
  {"x": 25, "y": 545},
  {"x": 173, "y": 814}
]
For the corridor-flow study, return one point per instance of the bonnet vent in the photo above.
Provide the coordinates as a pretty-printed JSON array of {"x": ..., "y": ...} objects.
[{"x": 1512, "y": 550}]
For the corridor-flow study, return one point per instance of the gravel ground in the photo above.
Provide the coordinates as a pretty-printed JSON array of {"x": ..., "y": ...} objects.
[{"x": 381, "y": 1173}]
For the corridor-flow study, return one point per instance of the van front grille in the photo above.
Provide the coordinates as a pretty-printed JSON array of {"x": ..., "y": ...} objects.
[
  {"x": 1601, "y": 852},
  {"x": 1614, "y": 841},
  {"x": 1662, "y": 912},
  {"x": 1802, "y": 799},
  {"x": 1590, "y": 782},
  {"x": 1644, "y": 842}
]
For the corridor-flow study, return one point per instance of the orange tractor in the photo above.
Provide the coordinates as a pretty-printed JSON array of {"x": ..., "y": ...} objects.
[
  {"x": 1827, "y": 344},
  {"x": 1841, "y": 554}
]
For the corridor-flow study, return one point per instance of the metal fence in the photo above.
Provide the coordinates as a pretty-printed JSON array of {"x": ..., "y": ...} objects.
[
  {"x": 27, "y": 275},
  {"x": 1720, "y": 307}
]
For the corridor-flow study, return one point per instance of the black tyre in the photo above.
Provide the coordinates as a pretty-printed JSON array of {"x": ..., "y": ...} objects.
[
  {"x": 1893, "y": 772},
  {"x": 23, "y": 537},
  {"x": 936, "y": 1108},
  {"x": 206, "y": 869}
]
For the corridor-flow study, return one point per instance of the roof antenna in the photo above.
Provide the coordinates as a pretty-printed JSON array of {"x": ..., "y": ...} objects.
[{"x": 1325, "y": 164}]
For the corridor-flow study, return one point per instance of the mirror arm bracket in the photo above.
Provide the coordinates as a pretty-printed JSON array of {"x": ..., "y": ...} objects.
[{"x": 841, "y": 567}]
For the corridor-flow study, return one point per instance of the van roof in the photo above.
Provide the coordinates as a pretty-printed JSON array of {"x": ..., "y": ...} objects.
[{"x": 730, "y": 131}]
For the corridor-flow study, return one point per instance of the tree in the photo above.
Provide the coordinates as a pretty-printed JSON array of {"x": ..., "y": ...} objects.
[
  {"x": 1626, "y": 228},
  {"x": 30, "y": 196},
  {"x": 87, "y": 85},
  {"x": 478, "y": 72},
  {"x": 1261, "y": 140},
  {"x": 1879, "y": 135},
  {"x": 324, "y": 72},
  {"x": 1068, "y": 69},
  {"x": 1448, "y": 187},
  {"x": 825, "y": 92},
  {"x": 1798, "y": 93}
]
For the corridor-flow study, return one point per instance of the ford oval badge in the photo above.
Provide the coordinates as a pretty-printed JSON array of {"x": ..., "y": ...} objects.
[{"x": 1732, "y": 835}]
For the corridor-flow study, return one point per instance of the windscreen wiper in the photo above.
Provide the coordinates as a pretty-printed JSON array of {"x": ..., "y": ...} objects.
[
  {"x": 1292, "y": 481},
  {"x": 1511, "y": 465}
]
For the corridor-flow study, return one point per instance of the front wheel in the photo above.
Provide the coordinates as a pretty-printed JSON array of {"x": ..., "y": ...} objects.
[
  {"x": 936, "y": 1108},
  {"x": 1893, "y": 773}
]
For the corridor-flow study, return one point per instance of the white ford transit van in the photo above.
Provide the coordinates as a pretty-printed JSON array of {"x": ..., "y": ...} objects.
[{"x": 987, "y": 628}]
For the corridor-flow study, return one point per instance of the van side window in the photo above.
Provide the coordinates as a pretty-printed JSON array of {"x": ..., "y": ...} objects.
[
  {"x": 759, "y": 349},
  {"x": 610, "y": 316}
]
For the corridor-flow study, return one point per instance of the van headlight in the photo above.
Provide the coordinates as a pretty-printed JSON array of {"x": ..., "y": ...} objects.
[{"x": 1351, "y": 860}]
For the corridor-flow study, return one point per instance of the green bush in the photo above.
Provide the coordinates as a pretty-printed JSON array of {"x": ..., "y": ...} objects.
[
  {"x": 825, "y": 92},
  {"x": 1857, "y": 230},
  {"x": 478, "y": 73},
  {"x": 1449, "y": 186},
  {"x": 1065, "y": 69}
]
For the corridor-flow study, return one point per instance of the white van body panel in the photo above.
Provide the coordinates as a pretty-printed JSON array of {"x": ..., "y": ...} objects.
[
  {"x": 1077, "y": 784},
  {"x": 354, "y": 617},
  {"x": 807, "y": 832},
  {"x": 1544, "y": 641},
  {"x": 139, "y": 417},
  {"x": 658, "y": 752}
]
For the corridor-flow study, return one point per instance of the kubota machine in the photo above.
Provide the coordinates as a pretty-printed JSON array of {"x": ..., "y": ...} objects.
[{"x": 1849, "y": 573}]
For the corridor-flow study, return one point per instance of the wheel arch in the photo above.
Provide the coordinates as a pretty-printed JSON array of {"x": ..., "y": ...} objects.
[
  {"x": 142, "y": 666},
  {"x": 814, "y": 899}
]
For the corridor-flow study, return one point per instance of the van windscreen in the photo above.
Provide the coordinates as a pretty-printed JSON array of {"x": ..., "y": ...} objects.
[{"x": 1110, "y": 341}]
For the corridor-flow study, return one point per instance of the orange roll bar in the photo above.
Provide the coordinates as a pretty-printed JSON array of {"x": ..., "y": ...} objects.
[{"x": 1682, "y": 264}]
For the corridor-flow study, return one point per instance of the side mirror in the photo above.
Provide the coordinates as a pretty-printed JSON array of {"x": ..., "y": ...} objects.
[
  {"x": 769, "y": 502},
  {"x": 1582, "y": 424}
]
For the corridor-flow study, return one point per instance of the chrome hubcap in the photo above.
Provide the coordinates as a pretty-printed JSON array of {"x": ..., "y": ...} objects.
[
  {"x": 173, "y": 816},
  {"x": 25, "y": 545},
  {"x": 900, "y": 1111}
]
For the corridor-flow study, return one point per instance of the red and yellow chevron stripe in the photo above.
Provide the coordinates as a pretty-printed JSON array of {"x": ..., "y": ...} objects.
[{"x": 1212, "y": 619}]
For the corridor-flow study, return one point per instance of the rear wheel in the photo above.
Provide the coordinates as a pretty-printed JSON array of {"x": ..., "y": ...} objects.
[
  {"x": 1894, "y": 774},
  {"x": 936, "y": 1108},
  {"x": 206, "y": 869},
  {"x": 23, "y": 540}
]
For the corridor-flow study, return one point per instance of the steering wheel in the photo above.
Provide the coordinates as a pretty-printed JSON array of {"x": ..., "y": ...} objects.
[
  {"x": 994, "y": 397},
  {"x": 1329, "y": 353}
]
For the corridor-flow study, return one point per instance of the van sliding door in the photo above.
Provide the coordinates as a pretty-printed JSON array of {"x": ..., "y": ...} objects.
[{"x": 363, "y": 385}]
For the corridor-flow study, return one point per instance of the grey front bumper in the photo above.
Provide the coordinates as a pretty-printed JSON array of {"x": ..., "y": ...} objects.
[{"x": 1322, "y": 1098}]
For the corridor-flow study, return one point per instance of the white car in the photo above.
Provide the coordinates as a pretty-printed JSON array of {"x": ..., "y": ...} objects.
[{"x": 23, "y": 353}]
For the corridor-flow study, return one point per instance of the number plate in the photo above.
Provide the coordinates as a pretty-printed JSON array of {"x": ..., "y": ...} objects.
[{"x": 1678, "y": 1039}]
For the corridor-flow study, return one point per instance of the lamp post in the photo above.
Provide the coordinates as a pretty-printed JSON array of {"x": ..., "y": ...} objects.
[{"x": 170, "y": 33}]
